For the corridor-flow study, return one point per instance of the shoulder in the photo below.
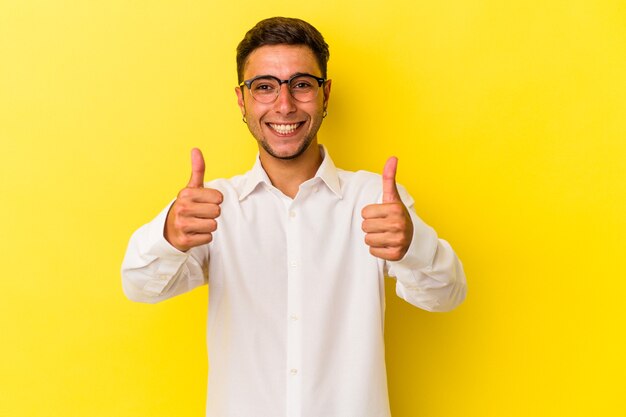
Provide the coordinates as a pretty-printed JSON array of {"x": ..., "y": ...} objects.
[
  {"x": 359, "y": 178},
  {"x": 368, "y": 184},
  {"x": 228, "y": 186},
  {"x": 360, "y": 185}
]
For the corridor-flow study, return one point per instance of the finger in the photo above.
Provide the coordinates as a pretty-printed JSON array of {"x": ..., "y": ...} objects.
[
  {"x": 390, "y": 191},
  {"x": 375, "y": 211},
  {"x": 197, "y": 169},
  {"x": 199, "y": 226},
  {"x": 383, "y": 240},
  {"x": 377, "y": 225},
  {"x": 197, "y": 239},
  {"x": 389, "y": 254},
  {"x": 208, "y": 195},
  {"x": 201, "y": 195},
  {"x": 202, "y": 211}
]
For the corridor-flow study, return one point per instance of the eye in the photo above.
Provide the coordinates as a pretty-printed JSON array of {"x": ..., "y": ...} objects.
[
  {"x": 301, "y": 84},
  {"x": 264, "y": 86}
]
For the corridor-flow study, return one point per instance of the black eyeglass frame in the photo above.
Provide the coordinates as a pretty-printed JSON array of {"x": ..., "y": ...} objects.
[{"x": 248, "y": 83}]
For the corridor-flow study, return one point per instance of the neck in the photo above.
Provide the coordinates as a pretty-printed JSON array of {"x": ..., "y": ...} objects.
[{"x": 288, "y": 174}]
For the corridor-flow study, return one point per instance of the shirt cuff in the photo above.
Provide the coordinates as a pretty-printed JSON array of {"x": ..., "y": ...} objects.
[
  {"x": 420, "y": 254},
  {"x": 170, "y": 258},
  {"x": 423, "y": 245}
]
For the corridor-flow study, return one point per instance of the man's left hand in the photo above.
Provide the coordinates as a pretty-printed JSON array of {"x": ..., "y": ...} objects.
[{"x": 388, "y": 227}]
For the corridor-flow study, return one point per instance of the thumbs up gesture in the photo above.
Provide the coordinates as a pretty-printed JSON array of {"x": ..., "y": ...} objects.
[
  {"x": 192, "y": 218},
  {"x": 388, "y": 227}
]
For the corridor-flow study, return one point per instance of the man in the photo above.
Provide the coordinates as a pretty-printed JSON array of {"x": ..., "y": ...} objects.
[{"x": 295, "y": 251}]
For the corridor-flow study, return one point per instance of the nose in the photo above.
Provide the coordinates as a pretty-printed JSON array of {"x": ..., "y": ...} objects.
[{"x": 285, "y": 103}]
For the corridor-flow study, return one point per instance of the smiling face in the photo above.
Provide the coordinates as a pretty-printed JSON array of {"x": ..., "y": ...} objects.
[{"x": 286, "y": 128}]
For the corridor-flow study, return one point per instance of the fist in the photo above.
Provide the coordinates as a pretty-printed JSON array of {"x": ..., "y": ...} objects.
[
  {"x": 388, "y": 227},
  {"x": 192, "y": 219}
]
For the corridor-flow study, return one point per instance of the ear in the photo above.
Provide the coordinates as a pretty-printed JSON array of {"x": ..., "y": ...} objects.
[
  {"x": 327, "y": 92},
  {"x": 240, "y": 102}
]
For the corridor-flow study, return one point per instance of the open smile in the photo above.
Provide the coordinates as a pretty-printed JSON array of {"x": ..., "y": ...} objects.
[{"x": 285, "y": 129}]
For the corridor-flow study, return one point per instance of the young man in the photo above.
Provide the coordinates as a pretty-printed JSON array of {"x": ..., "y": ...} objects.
[{"x": 295, "y": 251}]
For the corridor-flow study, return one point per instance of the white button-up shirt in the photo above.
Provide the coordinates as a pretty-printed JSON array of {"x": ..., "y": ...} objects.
[{"x": 296, "y": 301}]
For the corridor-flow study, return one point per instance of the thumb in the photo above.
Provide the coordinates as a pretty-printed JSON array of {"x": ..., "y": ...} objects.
[
  {"x": 197, "y": 169},
  {"x": 390, "y": 191}
]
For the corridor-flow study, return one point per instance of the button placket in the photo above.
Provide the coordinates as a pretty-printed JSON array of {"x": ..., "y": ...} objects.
[{"x": 294, "y": 309}]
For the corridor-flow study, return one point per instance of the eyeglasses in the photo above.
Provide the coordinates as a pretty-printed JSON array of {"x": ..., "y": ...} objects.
[{"x": 266, "y": 88}]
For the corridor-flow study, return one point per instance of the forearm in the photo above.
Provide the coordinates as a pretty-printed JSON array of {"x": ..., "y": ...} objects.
[
  {"x": 153, "y": 270},
  {"x": 430, "y": 275}
]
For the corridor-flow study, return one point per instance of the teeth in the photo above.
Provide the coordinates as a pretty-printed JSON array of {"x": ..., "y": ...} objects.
[{"x": 284, "y": 129}]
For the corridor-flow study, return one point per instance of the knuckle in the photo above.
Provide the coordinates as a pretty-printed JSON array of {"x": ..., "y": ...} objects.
[
  {"x": 396, "y": 254},
  {"x": 182, "y": 211},
  {"x": 175, "y": 209},
  {"x": 366, "y": 212},
  {"x": 181, "y": 208},
  {"x": 185, "y": 193},
  {"x": 219, "y": 197},
  {"x": 186, "y": 241},
  {"x": 179, "y": 224},
  {"x": 395, "y": 241},
  {"x": 400, "y": 242},
  {"x": 397, "y": 208},
  {"x": 397, "y": 225}
]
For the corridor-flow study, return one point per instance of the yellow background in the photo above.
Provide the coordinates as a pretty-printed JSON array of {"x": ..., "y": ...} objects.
[{"x": 509, "y": 119}]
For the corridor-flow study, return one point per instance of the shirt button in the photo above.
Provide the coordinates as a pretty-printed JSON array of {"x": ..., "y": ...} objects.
[
  {"x": 292, "y": 214},
  {"x": 293, "y": 317},
  {"x": 294, "y": 371}
]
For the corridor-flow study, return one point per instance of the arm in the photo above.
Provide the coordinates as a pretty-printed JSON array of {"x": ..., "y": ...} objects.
[
  {"x": 429, "y": 274},
  {"x": 153, "y": 270},
  {"x": 169, "y": 255}
]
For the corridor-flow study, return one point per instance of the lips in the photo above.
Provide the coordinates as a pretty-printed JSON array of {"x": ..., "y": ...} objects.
[{"x": 284, "y": 128}]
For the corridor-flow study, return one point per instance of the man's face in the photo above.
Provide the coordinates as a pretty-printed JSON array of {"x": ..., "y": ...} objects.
[{"x": 286, "y": 127}]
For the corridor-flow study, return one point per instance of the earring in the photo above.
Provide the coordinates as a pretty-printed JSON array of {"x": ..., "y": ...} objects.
[
  {"x": 324, "y": 114},
  {"x": 244, "y": 119}
]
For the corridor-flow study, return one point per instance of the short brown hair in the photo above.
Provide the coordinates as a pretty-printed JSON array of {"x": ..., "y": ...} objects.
[{"x": 282, "y": 31}]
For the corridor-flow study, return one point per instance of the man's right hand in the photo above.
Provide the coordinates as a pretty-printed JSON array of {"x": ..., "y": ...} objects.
[{"x": 192, "y": 218}]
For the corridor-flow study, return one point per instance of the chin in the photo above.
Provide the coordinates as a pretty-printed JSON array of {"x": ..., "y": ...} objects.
[{"x": 286, "y": 154}]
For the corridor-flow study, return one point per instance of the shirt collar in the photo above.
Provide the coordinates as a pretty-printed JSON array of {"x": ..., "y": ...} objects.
[{"x": 327, "y": 172}]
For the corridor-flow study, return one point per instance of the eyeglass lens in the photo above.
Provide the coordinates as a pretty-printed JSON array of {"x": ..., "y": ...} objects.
[{"x": 302, "y": 88}]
